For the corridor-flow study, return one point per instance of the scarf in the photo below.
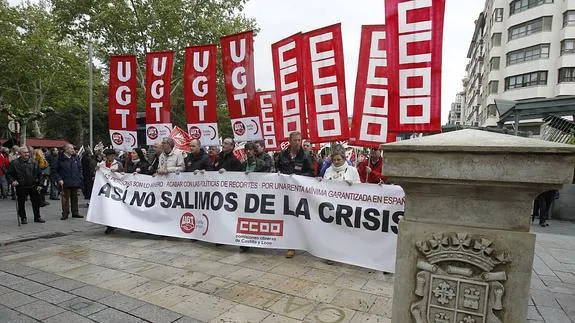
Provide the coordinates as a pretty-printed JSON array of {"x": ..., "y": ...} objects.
[{"x": 339, "y": 171}]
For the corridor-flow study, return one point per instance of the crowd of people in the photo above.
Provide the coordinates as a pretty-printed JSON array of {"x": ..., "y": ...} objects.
[{"x": 34, "y": 173}]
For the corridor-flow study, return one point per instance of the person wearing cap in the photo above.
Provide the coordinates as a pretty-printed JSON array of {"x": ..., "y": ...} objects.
[{"x": 113, "y": 165}]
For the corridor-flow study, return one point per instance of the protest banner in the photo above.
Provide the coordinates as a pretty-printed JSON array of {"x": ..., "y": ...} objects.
[
  {"x": 238, "y": 66},
  {"x": 290, "y": 91},
  {"x": 414, "y": 45},
  {"x": 200, "y": 91},
  {"x": 122, "y": 102},
  {"x": 158, "y": 89},
  {"x": 351, "y": 224},
  {"x": 369, "y": 126}
]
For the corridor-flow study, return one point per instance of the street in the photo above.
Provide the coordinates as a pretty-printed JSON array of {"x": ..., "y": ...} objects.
[{"x": 70, "y": 271}]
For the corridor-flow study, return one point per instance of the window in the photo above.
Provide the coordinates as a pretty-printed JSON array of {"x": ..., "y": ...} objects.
[
  {"x": 496, "y": 39},
  {"x": 517, "y": 6},
  {"x": 497, "y": 15},
  {"x": 493, "y": 87},
  {"x": 525, "y": 80},
  {"x": 567, "y": 74},
  {"x": 568, "y": 46},
  {"x": 494, "y": 64},
  {"x": 528, "y": 54},
  {"x": 569, "y": 18},
  {"x": 530, "y": 27}
]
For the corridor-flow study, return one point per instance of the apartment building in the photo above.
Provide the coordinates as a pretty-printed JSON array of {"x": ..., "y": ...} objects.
[
  {"x": 521, "y": 49},
  {"x": 455, "y": 111}
]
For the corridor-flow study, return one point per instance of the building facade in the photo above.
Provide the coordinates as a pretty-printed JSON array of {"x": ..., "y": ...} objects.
[
  {"x": 521, "y": 49},
  {"x": 455, "y": 112}
]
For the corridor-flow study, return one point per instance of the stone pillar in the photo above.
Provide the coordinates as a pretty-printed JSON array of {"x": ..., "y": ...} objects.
[{"x": 464, "y": 250}]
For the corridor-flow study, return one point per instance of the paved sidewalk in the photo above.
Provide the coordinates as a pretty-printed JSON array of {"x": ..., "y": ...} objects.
[{"x": 85, "y": 276}]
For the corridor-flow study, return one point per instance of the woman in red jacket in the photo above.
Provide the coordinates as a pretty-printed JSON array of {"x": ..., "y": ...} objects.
[{"x": 370, "y": 169}]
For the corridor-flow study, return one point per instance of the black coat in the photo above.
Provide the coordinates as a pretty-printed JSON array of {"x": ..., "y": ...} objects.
[
  {"x": 198, "y": 162},
  {"x": 143, "y": 165},
  {"x": 69, "y": 170},
  {"x": 228, "y": 162},
  {"x": 267, "y": 160},
  {"x": 300, "y": 165},
  {"x": 27, "y": 173}
]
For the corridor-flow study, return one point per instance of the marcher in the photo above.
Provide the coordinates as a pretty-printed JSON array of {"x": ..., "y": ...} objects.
[
  {"x": 197, "y": 159},
  {"x": 12, "y": 156},
  {"x": 264, "y": 156},
  {"x": 24, "y": 174},
  {"x": 542, "y": 206},
  {"x": 67, "y": 172},
  {"x": 4, "y": 165},
  {"x": 294, "y": 161},
  {"x": 155, "y": 159},
  {"x": 51, "y": 159},
  {"x": 227, "y": 161},
  {"x": 340, "y": 170},
  {"x": 171, "y": 160},
  {"x": 137, "y": 162},
  {"x": 371, "y": 168},
  {"x": 113, "y": 165},
  {"x": 213, "y": 152},
  {"x": 89, "y": 163}
]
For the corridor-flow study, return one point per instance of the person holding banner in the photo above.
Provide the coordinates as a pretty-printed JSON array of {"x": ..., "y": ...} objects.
[
  {"x": 340, "y": 170},
  {"x": 171, "y": 161},
  {"x": 227, "y": 161},
  {"x": 264, "y": 156},
  {"x": 153, "y": 168},
  {"x": 292, "y": 161},
  {"x": 113, "y": 165},
  {"x": 371, "y": 168},
  {"x": 137, "y": 163},
  {"x": 197, "y": 159}
]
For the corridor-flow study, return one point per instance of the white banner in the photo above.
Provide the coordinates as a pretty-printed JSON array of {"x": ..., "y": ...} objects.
[
  {"x": 206, "y": 132},
  {"x": 351, "y": 224},
  {"x": 156, "y": 132},
  {"x": 124, "y": 140}
]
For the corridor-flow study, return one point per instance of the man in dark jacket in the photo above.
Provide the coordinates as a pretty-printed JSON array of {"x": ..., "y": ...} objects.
[
  {"x": 265, "y": 157},
  {"x": 25, "y": 176},
  {"x": 197, "y": 159},
  {"x": 226, "y": 160},
  {"x": 67, "y": 172},
  {"x": 294, "y": 160},
  {"x": 253, "y": 163},
  {"x": 155, "y": 159}
]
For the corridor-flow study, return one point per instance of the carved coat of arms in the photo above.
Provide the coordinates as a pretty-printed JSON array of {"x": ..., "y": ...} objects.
[{"x": 456, "y": 280}]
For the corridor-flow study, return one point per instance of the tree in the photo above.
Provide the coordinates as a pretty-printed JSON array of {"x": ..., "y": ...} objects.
[
  {"x": 40, "y": 71},
  {"x": 140, "y": 26}
]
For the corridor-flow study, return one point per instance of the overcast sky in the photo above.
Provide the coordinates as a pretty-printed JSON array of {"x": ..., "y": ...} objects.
[{"x": 279, "y": 19}]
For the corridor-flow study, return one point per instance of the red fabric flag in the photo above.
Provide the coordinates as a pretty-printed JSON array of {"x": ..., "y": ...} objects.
[
  {"x": 200, "y": 94},
  {"x": 325, "y": 84},
  {"x": 238, "y": 64},
  {"x": 289, "y": 83},
  {"x": 414, "y": 42},
  {"x": 369, "y": 126},
  {"x": 122, "y": 104},
  {"x": 266, "y": 101},
  {"x": 181, "y": 138},
  {"x": 159, "y": 67}
]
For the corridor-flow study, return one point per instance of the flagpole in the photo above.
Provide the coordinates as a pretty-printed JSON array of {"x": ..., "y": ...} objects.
[{"x": 90, "y": 107}]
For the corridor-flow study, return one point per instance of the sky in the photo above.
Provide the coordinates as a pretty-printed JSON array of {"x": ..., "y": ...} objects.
[{"x": 279, "y": 19}]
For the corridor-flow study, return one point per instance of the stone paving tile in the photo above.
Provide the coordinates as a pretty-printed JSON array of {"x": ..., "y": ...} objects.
[
  {"x": 9, "y": 315},
  {"x": 186, "y": 319},
  {"x": 147, "y": 288},
  {"x": 92, "y": 292},
  {"x": 54, "y": 296},
  {"x": 241, "y": 314},
  {"x": 65, "y": 284},
  {"x": 352, "y": 282},
  {"x": 43, "y": 277},
  {"x": 4, "y": 290},
  {"x": 125, "y": 283},
  {"x": 329, "y": 313},
  {"x": 40, "y": 310},
  {"x": 245, "y": 275},
  {"x": 378, "y": 287},
  {"x": 15, "y": 299},
  {"x": 322, "y": 293},
  {"x": 360, "y": 317},
  {"x": 67, "y": 317},
  {"x": 169, "y": 296},
  {"x": 276, "y": 318},
  {"x": 294, "y": 307},
  {"x": 552, "y": 315},
  {"x": 354, "y": 300},
  {"x": 269, "y": 280},
  {"x": 203, "y": 307},
  {"x": 214, "y": 285},
  {"x": 160, "y": 272},
  {"x": 533, "y": 314},
  {"x": 121, "y": 302},
  {"x": 155, "y": 314},
  {"x": 382, "y": 306},
  {"x": 29, "y": 287},
  {"x": 189, "y": 280},
  {"x": 22, "y": 270},
  {"x": 111, "y": 315},
  {"x": 11, "y": 280},
  {"x": 290, "y": 270},
  {"x": 82, "y": 306},
  {"x": 320, "y": 276},
  {"x": 250, "y": 295},
  {"x": 544, "y": 298}
]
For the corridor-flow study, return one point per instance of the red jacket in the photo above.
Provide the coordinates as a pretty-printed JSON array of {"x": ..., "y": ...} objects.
[
  {"x": 375, "y": 176},
  {"x": 4, "y": 164}
]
